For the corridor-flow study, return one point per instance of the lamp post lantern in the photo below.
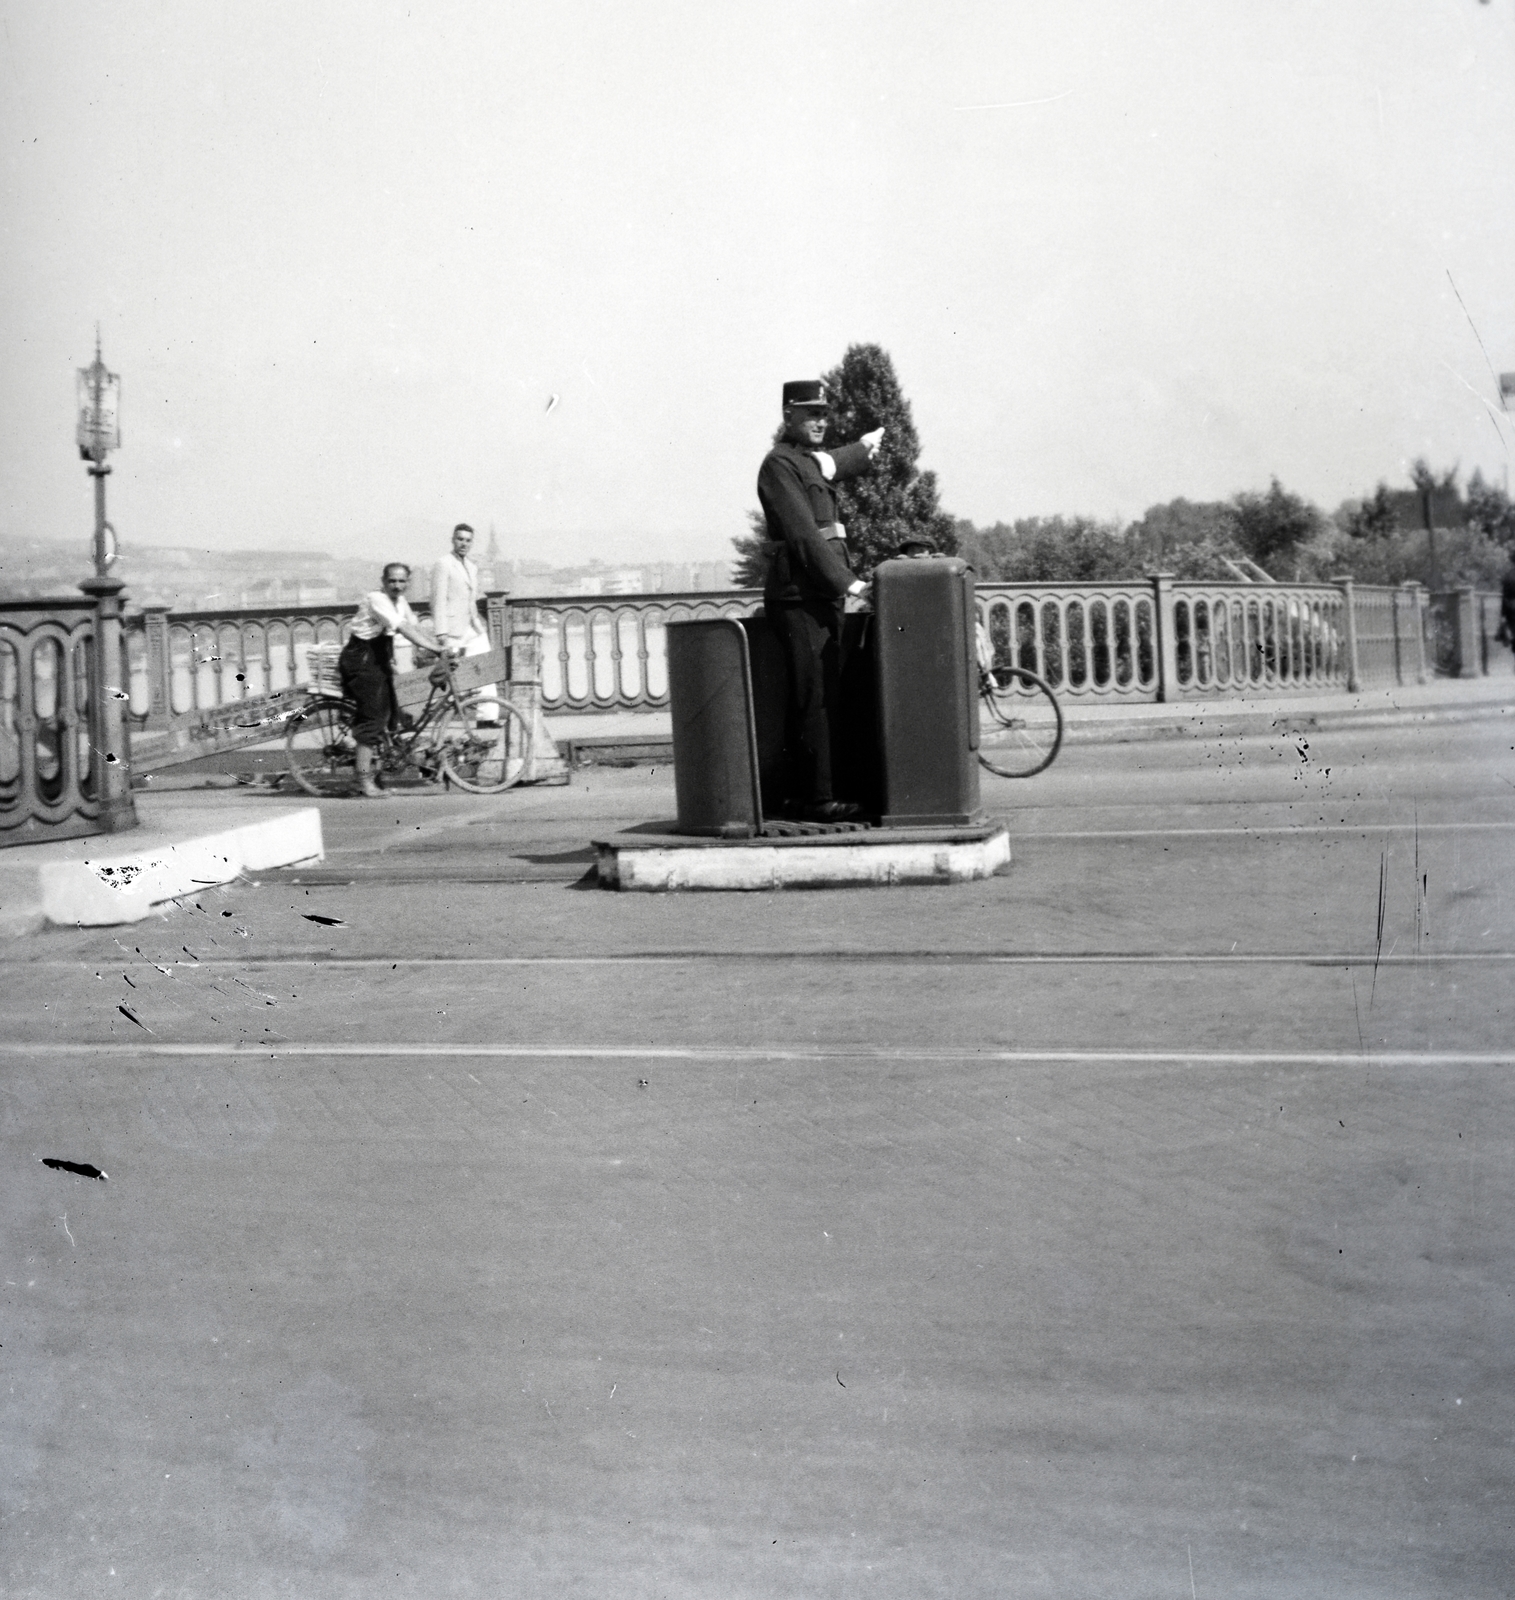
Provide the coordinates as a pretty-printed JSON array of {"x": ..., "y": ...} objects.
[
  {"x": 99, "y": 393},
  {"x": 99, "y": 431}
]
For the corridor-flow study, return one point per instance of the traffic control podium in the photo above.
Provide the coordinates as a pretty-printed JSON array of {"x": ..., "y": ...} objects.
[{"x": 905, "y": 741}]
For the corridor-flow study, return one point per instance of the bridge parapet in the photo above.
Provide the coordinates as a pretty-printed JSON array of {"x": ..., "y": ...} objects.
[
  {"x": 609, "y": 652},
  {"x": 199, "y": 679},
  {"x": 205, "y": 681},
  {"x": 186, "y": 663},
  {"x": 64, "y": 756},
  {"x": 1167, "y": 639}
]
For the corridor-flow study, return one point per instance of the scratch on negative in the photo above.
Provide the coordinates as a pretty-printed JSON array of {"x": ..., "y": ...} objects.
[
  {"x": 65, "y": 1228},
  {"x": 1383, "y": 885}
]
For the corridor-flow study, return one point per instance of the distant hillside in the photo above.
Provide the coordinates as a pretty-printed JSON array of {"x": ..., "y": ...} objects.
[
  {"x": 195, "y": 580},
  {"x": 185, "y": 579}
]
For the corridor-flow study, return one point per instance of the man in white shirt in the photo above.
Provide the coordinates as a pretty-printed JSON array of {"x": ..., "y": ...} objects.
[
  {"x": 455, "y": 614},
  {"x": 367, "y": 665}
]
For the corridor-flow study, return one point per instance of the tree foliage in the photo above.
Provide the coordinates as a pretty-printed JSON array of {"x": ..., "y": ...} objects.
[
  {"x": 1048, "y": 550},
  {"x": 750, "y": 566},
  {"x": 896, "y": 501},
  {"x": 1384, "y": 539},
  {"x": 1436, "y": 496},
  {"x": 1190, "y": 539},
  {"x": 1374, "y": 518},
  {"x": 883, "y": 508},
  {"x": 1464, "y": 555},
  {"x": 1490, "y": 511},
  {"x": 1272, "y": 527}
]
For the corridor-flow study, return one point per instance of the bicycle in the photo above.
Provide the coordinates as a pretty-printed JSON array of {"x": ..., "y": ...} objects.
[
  {"x": 1022, "y": 730},
  {"x": 443, "y": 743}
]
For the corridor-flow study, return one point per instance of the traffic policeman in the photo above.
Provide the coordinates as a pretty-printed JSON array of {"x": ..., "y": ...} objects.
[{"x": 809, "y": 581}]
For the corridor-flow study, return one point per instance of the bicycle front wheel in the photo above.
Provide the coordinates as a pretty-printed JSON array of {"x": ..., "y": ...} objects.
[
  {"x": 1021, "y": 729},
  {"x": 485, "y": 760},
  {"x": 320, "y": 750}
]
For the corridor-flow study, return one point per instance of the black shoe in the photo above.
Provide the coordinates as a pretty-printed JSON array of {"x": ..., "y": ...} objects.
[{"x": 833, "y": 811}]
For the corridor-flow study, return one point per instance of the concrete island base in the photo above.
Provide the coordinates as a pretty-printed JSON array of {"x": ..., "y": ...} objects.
[{"x": 653, "y": 859}]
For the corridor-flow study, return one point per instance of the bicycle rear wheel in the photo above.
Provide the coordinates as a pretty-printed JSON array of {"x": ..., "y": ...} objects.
[
  {"x": 320, "y": 750},
  {"x": 1021, "y": 730},
  {"x": 485, "y": 760}
]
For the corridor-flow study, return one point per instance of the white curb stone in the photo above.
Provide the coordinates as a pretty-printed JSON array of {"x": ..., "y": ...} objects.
[{"x": 101, "y": 890}]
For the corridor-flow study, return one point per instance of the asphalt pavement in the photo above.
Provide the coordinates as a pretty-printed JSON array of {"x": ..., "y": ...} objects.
[{"x": 1134, "y": 1223}]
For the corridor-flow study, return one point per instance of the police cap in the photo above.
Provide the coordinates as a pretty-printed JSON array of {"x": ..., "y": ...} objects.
[{"x": 806, "y": 392}]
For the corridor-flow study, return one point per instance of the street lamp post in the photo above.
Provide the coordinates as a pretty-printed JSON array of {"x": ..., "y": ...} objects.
[
  {"x": 99, "y": 396},
  {"x": 99, "y": 392}
]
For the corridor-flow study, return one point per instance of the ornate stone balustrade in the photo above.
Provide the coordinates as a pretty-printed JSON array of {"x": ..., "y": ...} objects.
[
  {"x": 1389, "y": 632},
  {"x": 1167, "y": 639},
  {"x": 609, "y": 653},
  {"x": 56, "y": 739},
  {"x": 1094, "y": 641},
  {"x": 193, "y": 674},
  {"x": 203, "y": 681},
  {"x": 199, "y": 679},
  {"x": 1256, "y": 637},
  {"x": 197, "y": 661}
]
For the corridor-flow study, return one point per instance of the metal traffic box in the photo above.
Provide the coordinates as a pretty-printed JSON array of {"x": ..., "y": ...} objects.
[
  {"x": 715, "y": 750},
  {"x": 924, "y": 621}
]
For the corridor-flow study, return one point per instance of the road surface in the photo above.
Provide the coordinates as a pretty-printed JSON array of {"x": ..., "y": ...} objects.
[{"x": 1136, "y": 1223}]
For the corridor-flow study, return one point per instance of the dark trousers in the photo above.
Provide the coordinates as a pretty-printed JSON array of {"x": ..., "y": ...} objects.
[
  {"x": 811, "y": 635},
  {"x": 367, "y": 668}
]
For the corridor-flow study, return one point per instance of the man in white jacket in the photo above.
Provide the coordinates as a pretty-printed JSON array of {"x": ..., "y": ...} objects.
[{"x": 455, "y": 613}]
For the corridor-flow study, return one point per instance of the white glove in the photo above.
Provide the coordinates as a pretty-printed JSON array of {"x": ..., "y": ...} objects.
[{"x": 871, "y": 442}]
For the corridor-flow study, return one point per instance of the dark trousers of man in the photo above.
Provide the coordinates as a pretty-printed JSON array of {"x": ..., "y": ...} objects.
[
  {"x": 366, "y": 666},
  {"x": 812, "y": 645}
]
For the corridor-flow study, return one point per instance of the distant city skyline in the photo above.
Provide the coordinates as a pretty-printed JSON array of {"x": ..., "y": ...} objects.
[
  {"x": 549, "y": 266},
  {"x": 188, "y": 578}
]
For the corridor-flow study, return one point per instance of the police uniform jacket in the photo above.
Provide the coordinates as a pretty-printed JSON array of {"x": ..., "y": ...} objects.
[{"x": 799, "y": 503}]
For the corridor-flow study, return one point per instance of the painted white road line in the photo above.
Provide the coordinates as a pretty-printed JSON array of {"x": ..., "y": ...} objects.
[
  {"x": 1287, "y": 830},
  {"x": 317, "y": 960},
  {"x": 395, "y": 1050}
]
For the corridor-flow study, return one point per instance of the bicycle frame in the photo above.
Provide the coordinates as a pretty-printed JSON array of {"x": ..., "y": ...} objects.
[
  {"x": 441, "y": 742},
  {"x": 400, "y": 743}
]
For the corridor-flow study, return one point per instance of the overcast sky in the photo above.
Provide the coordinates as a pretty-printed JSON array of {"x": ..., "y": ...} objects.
[{"x": 344, "y": 255}]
